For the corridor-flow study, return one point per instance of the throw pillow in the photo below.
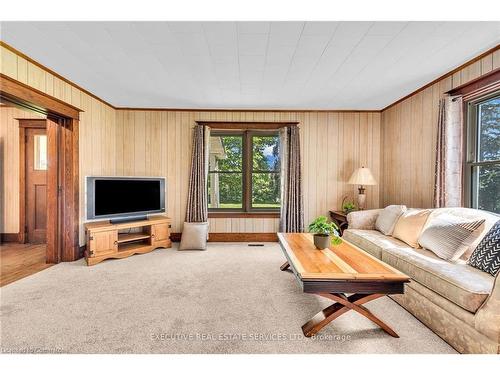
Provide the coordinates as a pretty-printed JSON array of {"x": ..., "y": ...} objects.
[
  {"x": 194, "y": 236},
  {"x": 486, "y": 256},
  {"x": 388, "y": 217},
  {"x": 449, "y": 236},
  {"x": 409, "y": 226}
]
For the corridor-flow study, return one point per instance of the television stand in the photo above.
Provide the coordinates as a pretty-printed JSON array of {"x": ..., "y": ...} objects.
[{"x": 107, "y": 240}]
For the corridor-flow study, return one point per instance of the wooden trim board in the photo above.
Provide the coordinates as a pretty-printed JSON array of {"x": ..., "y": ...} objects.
[
  {"x": 63, "y": 169},
  {"x": 35, "y": 100},
  {"x": 9, "y": 237},
  {"x": 234, "y": 237},
  {"x": 479, "y": 83},
  {"x": 244, "y": 215},
  {"x": 246, "y": 125}
]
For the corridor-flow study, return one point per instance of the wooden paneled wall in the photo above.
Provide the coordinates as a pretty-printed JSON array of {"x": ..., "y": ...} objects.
[
  {"x": 120, "y": 142},
  {"x": 409, "y": 133},
  {"x": 158, "y": 143},
  {"x": 398, "y": 145},
  {"x": 97, "y": 126}
]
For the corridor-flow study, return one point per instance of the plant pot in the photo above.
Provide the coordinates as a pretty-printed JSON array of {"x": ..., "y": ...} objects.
[{"x": 321, "y": 241}]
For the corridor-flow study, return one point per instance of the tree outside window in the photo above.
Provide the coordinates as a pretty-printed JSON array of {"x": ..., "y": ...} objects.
[
  {"x": 483, "y": 165},
  {"x": 244, "y": 171}
]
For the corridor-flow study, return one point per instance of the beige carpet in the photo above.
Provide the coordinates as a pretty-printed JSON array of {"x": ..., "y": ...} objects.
[{"x": 229, "y": 299}]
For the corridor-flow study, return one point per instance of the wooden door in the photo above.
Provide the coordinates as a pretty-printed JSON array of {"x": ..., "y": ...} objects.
[{"x": 36, "y": 162}]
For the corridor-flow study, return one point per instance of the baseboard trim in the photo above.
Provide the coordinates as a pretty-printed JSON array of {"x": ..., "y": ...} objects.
[
  {"x": 9, "y": 237},
  {"x": 234, "y": 237}
]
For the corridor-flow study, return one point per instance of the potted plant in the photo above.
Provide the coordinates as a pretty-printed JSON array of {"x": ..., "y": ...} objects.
[
  {"x": 348, "y": 205},
  {"x": 325, "y": 232}
]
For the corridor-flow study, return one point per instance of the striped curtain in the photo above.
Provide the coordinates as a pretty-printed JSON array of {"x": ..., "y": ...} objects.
[
  {"x": 197, "y": 206},
  {"x": 292, "y": 205},
  {"x": 449, "y": 155}
]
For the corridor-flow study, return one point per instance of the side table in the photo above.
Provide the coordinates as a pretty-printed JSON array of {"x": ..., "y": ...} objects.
[{"x": 340, "y": 218}]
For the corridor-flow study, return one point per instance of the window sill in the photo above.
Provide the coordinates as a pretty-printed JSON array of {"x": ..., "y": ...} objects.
[{"x": 252, "y": 215}]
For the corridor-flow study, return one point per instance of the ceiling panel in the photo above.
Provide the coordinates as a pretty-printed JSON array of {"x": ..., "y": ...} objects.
[{"x": 286, "y": 65}]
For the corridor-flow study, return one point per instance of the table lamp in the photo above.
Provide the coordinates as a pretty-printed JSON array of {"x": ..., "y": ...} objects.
[{"x": 362, "y": 177}]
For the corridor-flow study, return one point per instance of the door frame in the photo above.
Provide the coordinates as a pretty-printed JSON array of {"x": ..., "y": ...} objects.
[
  {"x": 62, "y": 126},
  {"x": 23, "y": 125}
]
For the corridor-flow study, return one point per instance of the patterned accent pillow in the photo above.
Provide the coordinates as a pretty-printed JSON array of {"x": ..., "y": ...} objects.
[
  {"x": 387, "y": 218},
  {"x": 449, "y": 236},
  {"x": 486, "y": 257}
]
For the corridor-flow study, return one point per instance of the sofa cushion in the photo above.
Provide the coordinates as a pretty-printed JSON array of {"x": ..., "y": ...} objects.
[
  {"x": 387, "y": 218},
  {"x": 372, "y": 241},
  {"x": 457, "y": 282},
  {"x": 363, "y": 219},
  {"x": 449, "y": 236},
  {"x": 409, "y": 226},
  {"x": 470, "y": 214},
  {"x": 486, "y": 257}
]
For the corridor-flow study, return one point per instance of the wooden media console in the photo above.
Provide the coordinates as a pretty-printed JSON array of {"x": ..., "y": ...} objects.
[{"x": 106, "y": 240}]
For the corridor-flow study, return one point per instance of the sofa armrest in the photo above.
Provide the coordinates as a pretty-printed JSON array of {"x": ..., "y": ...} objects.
[
  {"x": 363, "y": 219},
  {"x": 487, "y": 319}
]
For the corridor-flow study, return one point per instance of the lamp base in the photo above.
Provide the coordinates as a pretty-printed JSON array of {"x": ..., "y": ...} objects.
[{"x": 361, "y": 198}]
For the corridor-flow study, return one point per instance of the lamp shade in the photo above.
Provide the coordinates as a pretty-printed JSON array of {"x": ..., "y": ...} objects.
[{"x": 362, "y": 176}]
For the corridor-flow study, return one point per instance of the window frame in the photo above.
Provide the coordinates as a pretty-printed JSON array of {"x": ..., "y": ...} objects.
[
  {"x": 472, "y": 162},
  {"x": 247, "y": 170}
]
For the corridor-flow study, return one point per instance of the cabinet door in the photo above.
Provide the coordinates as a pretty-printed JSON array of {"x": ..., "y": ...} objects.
[
  {"x": 102, "y": 243},
  {"x": 161, "y": 232}
]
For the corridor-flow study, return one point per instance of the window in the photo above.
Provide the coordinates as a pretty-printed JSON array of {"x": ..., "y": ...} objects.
[
  {"x": 40, "y": 152},
  {"x": 483, "y": 153},
  {"x": 244, "y": 171}
]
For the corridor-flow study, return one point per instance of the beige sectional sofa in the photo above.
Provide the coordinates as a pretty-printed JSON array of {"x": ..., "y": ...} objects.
[{"x": 458, "y": 302}]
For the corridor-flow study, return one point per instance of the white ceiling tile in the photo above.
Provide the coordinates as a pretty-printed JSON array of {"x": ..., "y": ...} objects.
[
  {"x": 386, "y": 28},
  {"x": 335, "y": 65},
  {"x": 281, "y": 55},
  {"x": 253, "y": 27},
  {"x": 312, "y": 45},
  {"x": 223, "y": 51},
  {"x": 251, "y": 62},
  {"x": 447, "y": 28},
  {"x": 226, "y": 71},
  {"x": 252, "y": 44},
  {"x": 220, "y": 32},
  {"x": 192, "y": 44},
  {"x": 153, "y": 33},
  {"x": 285, "y": 33},
  {"x": 231, "y": 57},
  {"x": 320, "y": 28},
  {"x": 185, "y": 27}
]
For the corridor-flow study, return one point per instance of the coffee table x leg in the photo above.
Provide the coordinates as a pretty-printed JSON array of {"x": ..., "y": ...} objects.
[
  {"x": 284, "y": 266},
  {"x": 344, "y": 304}
]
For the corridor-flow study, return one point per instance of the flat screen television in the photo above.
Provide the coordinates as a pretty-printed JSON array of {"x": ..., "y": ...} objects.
[{"x": 124, "y": 198}]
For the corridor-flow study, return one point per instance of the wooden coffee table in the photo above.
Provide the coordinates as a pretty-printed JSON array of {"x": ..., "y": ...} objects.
[{"x": 335, "y": 272}]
